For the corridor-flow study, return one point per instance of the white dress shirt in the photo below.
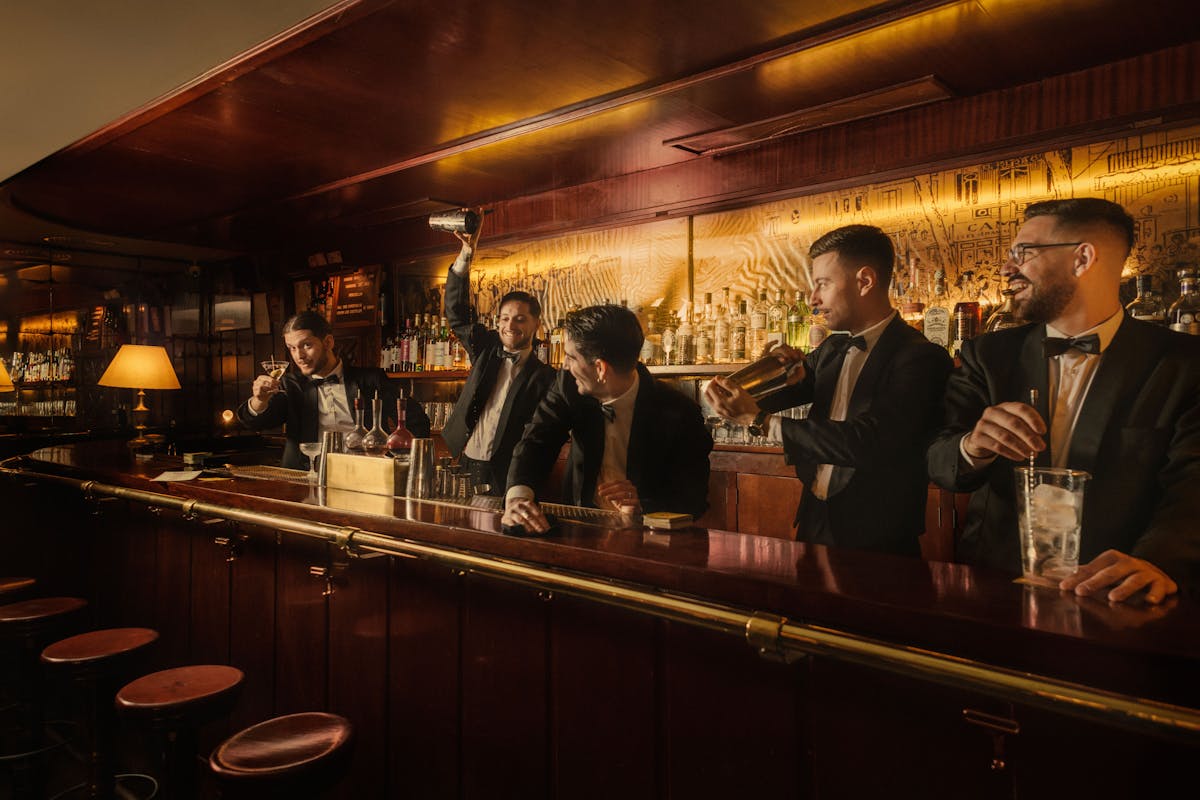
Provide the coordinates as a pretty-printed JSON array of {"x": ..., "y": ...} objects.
[
  {"x": 483, "y": 439},
  {"x": 333, "y": 409},
  {"x": 616, "y": 437}
]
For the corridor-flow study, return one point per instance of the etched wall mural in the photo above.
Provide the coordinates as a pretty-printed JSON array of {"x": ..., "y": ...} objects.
[{"x": 959, "y": 220}]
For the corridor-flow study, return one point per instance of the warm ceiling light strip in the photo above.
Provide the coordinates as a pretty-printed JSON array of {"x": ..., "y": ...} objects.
[{"x": 909, "y": 94}]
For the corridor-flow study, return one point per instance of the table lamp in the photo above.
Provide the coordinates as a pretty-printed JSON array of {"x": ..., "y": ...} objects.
[{"x": 141, "y": 367}]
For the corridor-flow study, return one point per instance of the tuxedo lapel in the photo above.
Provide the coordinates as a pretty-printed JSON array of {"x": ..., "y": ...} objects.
[
  {"x": 825, "y": 379},
  {"x": 590, "y": 433},
  {"x": 1123, "y": 370},
  {"x": 515, "y": 388},
  {"x": 864, "y": 388},
  {"x": 640, "y": 427}
]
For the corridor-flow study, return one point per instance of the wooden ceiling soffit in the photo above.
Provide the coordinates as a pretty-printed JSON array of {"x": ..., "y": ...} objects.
[
  {"x": 898, "y": 97},
  {"x": 397, "y": 213},
  {"x": 886, "y": 14},
  {"x": 306, "y": 31}
]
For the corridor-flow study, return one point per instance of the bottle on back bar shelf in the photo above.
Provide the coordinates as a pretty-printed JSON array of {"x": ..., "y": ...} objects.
[
  {"x": 777, "y": 314},
  {"x": 797, "y": 322},
  {"x": 721, "y": 331},
  {"x": 739, "y": 331},
  {"x": 1184, "y": 314},
  {"x": 937, "y": 313},
  {"x": 1147, "y": 306},
  {"x": 756, "y": 337},
  {"x": 965, "y": 323},
  {"x": 1004, "y": 316},
  {"x": 704, "y": 332},
  {"x": 685, "y": 339}
]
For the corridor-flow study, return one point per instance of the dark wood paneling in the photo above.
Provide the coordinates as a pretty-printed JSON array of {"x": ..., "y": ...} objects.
[
  {"x": 358, "y": 640},
  {"x": 172, "y": 602},
  {"x": 301, "y": 627},
  {"x": 424, "y": 670},
  {"x": 722, "y": 502},
  {"x": 504, "y": 686},
  {"x": 732, "y": 720},
  {"x": 210, "y": 580},
  {"x": 767, "y": 505},
  {"x": 604, "y": 677},
  {"x": 252, "y": 626}
]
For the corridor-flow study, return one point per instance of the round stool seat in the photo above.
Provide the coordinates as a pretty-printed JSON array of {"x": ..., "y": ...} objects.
[
  {"x": 32, "y": 614},
  {"x": 95, "y": 650},
  {"x": 10, "y": 586},
  {"x": 183, "y": 692},
  {"x": 311, "y": 745}
]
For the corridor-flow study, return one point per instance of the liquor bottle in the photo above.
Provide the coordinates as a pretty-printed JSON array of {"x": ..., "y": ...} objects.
[
  {"x": 914, "y": 314},
  {"x": 400, "y": 441},
  {"x": 1147, "y": 306},
  {"x": 685, "y": 339},
  {"x": 556, "y": 344},
  {"x": 966, "y": 323},
  {"x": 374, "y": 442},
  {"x": 1004, "y": 316},
  {"x": 1184, "y": 314},
  {"x": 777, "y": 314},
  {"x": 704, "y": 332},
  {"x": 739, "y": 332},
  {"x": 756, "y": 339},
  {"x": 651, "y": 344},
  {"x": 669, "y": 353},
  {"x": 818, "y": 330},
  {"x": 937, "y": 313},
  {"x": 721, "y": 331},
  {"x": 385, "y": 355},
  {"x": 543, "y": 346},
  {"x": 797, "y": 322},
  {"x": 354, "y": 439}
]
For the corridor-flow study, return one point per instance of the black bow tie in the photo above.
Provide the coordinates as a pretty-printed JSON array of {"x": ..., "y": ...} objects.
[
  {"x": 1055, "y": 346},
  {"x": 609, "y": 412},
  {"x": 510, "y": 356},
  {"x": 331, "y": 379},
  {"x": 842, "y": 343}
]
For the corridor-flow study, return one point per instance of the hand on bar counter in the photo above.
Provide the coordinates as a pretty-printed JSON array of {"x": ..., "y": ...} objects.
[
  {"x": 623, "y": 496},
  {"x": 526, "y": 513}
]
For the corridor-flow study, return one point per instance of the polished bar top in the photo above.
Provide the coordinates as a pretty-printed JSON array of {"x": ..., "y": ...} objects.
[{"x": 1150, "y": 651}]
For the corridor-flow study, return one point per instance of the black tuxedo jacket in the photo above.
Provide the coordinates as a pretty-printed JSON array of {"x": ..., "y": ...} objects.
[
  {"x": 1138, "y": 434},
  {"x": 878, "y": 491},
  {"x": 296, "y": 407},
  {"x": 526, "y": 391},
  {"x": 668, "y": 446}
]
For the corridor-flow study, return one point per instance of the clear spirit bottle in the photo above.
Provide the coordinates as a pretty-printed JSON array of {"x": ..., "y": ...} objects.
[
  {"x": 777, "y": 314},
  {"x": 721, "y": 331},
  {"x": 757, "y": 336},
  {"x": 739, "y": 333},
  {"x": 1184, "y": 314},
  {"x": 1147, "y": 306},
  {"x": 375, "y": 440},
  {"x": 704, "y": 332},
  {"x": 354, "y": 439},
  {"x": 937, "y": 313},
  {"x": 1004, "y": 316},
  {"x": 797, "y": 322}
]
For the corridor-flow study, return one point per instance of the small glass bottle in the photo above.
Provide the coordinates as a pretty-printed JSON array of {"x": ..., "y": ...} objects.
[
  {"x": 375, "y": 441},
  {"x": 354, "y": 439},
  {"x": 1147, "y": 306},
  {"x": 400, "y": 442},
  {"x": 797, "y": 322},
  {"x": 739, "y": 333},
  {"x": 1184, "y": 314},
  {"x": 1004, "y": 316},
  {"x": 937, "y": 313}
]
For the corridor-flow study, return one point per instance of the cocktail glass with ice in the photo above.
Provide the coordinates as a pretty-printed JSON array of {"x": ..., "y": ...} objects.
[{"x": 1050, "y": 518}]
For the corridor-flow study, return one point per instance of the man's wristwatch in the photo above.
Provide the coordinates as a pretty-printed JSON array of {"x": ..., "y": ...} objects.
[{"x": 757, "y": 427}]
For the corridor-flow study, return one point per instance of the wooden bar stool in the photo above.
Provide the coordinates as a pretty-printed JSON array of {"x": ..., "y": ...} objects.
[
  {"x": 174, "y": 703},
  {"x": 99, "y": 661},
  {"x": 12, "y": 588},
  {"x": 298, "y": 755},
  {"x": 25, "y": 628}
]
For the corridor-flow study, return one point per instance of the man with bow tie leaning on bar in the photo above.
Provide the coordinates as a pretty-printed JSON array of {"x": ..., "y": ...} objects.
[
  {"x": 636, "y": 443},
  {"x": 1117, "y": 397},
  {"x": 318, "y": 392},
  {"x": 507, "y": 379},
  {"x": 876, "y": 397}
]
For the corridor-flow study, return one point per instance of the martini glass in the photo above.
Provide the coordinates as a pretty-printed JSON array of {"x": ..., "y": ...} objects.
[
  {"x": 312, "y": 450},
  {"x": 274, "y": 368}
]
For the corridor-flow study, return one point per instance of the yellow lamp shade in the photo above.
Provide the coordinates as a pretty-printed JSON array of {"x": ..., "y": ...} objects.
[
  {"x": 6, "y": 384},
  {"x": 139, "y": 366}
]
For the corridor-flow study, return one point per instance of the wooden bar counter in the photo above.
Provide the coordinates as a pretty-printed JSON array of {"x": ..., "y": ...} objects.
[{"x": 604, "y": 662}]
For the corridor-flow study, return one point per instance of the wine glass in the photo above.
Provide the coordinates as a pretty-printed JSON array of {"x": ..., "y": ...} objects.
[
  {"x": 312, "y": 450},
  {"x": 274, "y": 368}
]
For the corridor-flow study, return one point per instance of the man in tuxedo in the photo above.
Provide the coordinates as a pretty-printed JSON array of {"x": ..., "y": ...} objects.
[
  {"x": 636, "y": 444},
  {"x": 507, "y": 379},
  {"x": 875, "y": 397},
  {"x": 317, "y": 392},
  {"x": 1117, "y": 397}
]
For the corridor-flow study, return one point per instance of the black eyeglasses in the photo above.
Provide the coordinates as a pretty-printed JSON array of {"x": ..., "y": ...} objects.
[{"x": 1019, "y": 254}]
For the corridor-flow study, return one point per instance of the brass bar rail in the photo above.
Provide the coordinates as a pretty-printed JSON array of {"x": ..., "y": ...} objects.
[{"x": 773, "y": 636}]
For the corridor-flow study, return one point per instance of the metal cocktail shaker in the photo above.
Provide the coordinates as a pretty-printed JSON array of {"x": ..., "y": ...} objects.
[
  {"x": 420, "y": 469},
  {"x": 331, "y": 442},
  {"x": 462, "y": 221},
  {"x": 763, "y": 377}
]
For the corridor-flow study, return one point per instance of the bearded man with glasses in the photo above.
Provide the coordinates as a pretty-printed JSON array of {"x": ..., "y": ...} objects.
[{"x": 1117, "y": 397}]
